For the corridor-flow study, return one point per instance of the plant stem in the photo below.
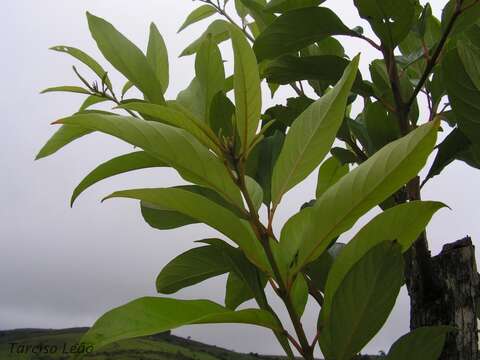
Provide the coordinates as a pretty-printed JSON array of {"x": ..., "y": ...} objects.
[
  {"x": 264, "y": 238},
  {"x": 438, "y": 51}
]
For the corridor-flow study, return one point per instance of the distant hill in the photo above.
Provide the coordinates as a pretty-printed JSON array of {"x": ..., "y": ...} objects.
[
  {"x": 19, "y": 345},
  {"x": 13, "y": 345}
]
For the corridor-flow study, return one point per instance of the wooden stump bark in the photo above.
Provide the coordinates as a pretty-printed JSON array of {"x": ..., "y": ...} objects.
[{"x": 445, "y": 292}]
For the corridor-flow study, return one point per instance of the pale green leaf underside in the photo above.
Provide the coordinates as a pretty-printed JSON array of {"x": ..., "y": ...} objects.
[
  {"x": 151, "y": 315},
  {"x": 197, "y": 164},
  {"x": 402, "y": 223},
  {"x": 311, "y": 136},
  {"x": 307, "y": 234}
]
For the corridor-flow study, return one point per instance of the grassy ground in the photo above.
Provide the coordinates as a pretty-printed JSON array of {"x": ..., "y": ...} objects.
[{"x": 159, "y": 347}]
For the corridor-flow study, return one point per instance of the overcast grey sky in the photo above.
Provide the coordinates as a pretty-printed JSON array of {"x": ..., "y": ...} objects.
[{"x": 62, "y": 267}]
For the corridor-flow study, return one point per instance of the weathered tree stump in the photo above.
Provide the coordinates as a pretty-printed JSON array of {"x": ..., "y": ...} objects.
[{"x": 449, "y": 299}]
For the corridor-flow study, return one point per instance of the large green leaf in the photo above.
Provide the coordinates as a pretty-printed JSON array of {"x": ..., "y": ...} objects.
[
  {"x": 362, "y": 302},
  {"x": 190, "y": 268},
  {"x": 126, "y": 57},
  {"x": 464, "y": 96},
  {"x": 87, "y": 60},
  {"x": 329, "y": 173},
  {"x": 197, "y": 15},
  {"x": 151, "y": 315},
  {"x": 63, "y": 136},
  {"x": 157, "y": 56},
  {"x": 389, "y": 21},
  {"x": 402, "y": 223},
  {"x": 246, "y": 84},
  {"x": 328, "y": 69},
  {"x": 206, "y": 211},
  {"x": 311, "y": 136},
  {"x": 296, "y": 30},
  {"x": 424, "y": 343},
  {"x": 455, "y": 146},
  {"x": 175, "y": 115},
  {"x": 119, "y": 165},
  {"x": 210, "y": 73},
  {"x": 288, "y": 5},
  {"x": 307, "y": 234},
  {"x": 197, "y": 164}
]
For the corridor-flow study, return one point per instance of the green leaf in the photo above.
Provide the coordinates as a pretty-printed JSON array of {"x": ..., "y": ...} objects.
[
  {"x": 128, "y": 85},
  {"x": 197, "y": 164},
  {"x": 330, "y": 172},
  {"x": 319, "y": 269},
  {"x": 203, "y": 210},
  {"x": 237, "y": 292},
  {"x": 216, "y": 29},
  {"x": 246, "y": 84},
  {"x": 464, "y": 96},
  {"x": 403, "y": 223},
  {"x": 362, "y": 302},
  {"x": 307, "y": 234},
  {"x": 281, "y": 6},
  {"x": 299, "y": 294},
  {"x": 344, "y": 156},
  {"x": 469, "y": 54},
  {"x": 253, "y": 280},
  {"x": 221, "y": 113},
  {"x": 255, "y": 191},
  {"x": 328, "y": 69},
  {"x": 190, "y": 268},
  {"x": 389, "y": 21},
  {"x": 197, "y": 15},
  {"x": 210, "y": 74},
  {"x": 151, "y": 315},
  {"x": 296, "y": 30},
  {"x": 175, "y": 115},
  {"x": 91, "y": 100},
  {"x": 87, "y": 60},
  {"x": 157, "y": 56},
  {"x": 382, "y": 129},
  {"x": 119, "y": 165},
  {"x": 311, "y": 136},
  {"x": 257, "y": 10},
  {"x": 262, "y": 161},
  {"x": 126, "y": 57},
  {"x": 424, "y": 343},
  {"x": 452, "y": 148},
  {"x": 464, "y": 21},
  {"x": 162, "y": 219},
  {"x": 73, "y": 89},
  {"x": 63, "y": 136}
]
